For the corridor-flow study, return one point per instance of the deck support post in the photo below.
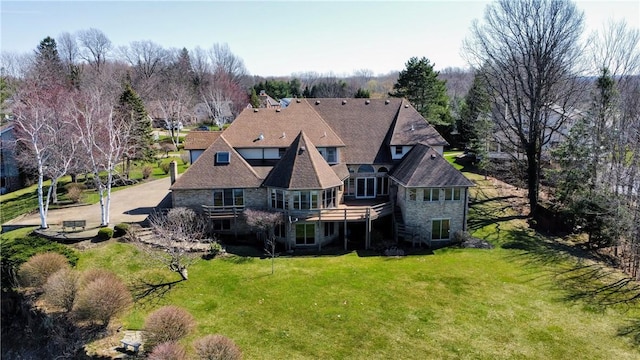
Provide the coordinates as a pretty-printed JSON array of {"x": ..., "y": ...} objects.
[{"x": 345, "y": 230}]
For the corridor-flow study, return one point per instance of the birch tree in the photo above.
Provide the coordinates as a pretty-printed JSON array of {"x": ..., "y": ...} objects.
[
  {"x": 104, "y": 138},
  {"x": 44, "y": 136}
]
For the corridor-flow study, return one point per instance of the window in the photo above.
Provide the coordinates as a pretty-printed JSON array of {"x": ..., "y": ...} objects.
[
  {"x": 281, "y": 152},
  {"x": 305, "y": 234},
  {"x": 383, "y": 182},
  {"x": 366, "y": 169},
  {"x": 223, "y": 157},
  {"x": 350, "y": 186},
  {"x": 221, "y": 225},
  {"x": 398, "y": 150},
  {"x": 305, "y": 200},
  {"x": 440, "y": 229},
  {"x": 278, "y": 198},
  {"x": 329, "y": 228},
  {"x": 431, "y": 195},
  {"x": 452, "y": 194},
  {"x": 331, "y": 155},
  {"x": 228, "y": 197},
  {"x": 329, "y": 198},
  {"x": 411, "y": 194},
  {"x": 280, "y": 230}
]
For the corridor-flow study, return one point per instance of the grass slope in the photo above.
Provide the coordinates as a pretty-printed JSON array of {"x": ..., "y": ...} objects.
[{"x": 505, "y": 303}]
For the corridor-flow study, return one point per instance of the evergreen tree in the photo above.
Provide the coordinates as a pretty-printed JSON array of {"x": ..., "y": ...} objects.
[
  {"x": 473, "y": 110},
  {"x": 48, "y": 65},
  {"x": 254, "y": 100},
  {"x": 419, "y": 84},
  {"x": 131, "y": 108},
  {"x": 362, "y": 94}
]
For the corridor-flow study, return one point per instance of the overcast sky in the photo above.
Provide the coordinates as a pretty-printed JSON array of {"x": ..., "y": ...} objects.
[{"x": 281, "y": 38}]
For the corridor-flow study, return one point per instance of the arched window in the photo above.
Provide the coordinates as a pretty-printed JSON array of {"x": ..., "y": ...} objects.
[
  {"x": 366, "y": 169},
  {"x": 383, "y": 170}
]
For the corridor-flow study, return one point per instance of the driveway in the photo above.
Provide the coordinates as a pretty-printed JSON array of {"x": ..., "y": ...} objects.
[{"x": 132, "y": 204}]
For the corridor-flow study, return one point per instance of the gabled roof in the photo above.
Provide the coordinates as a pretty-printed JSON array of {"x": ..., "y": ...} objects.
[
  {"x": 425, "y": 167},
  {"x": 279, "y": 127},
  {"x": 302, "y": 167},
  {"x": 411, "y": 128},
  {"x": 200, "y": 140},
  {"x": 205, "y": 173}
]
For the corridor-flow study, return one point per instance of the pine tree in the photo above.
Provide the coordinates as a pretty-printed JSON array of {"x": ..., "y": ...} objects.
[
  {"x": 131, "y": 108},
  {"x": 419, "y": 84},
  {"x": 48, "y": 65},
  {"x": 254, "y": 100}
]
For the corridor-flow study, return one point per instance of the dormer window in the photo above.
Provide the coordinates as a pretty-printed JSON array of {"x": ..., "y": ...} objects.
[{"x": 223, "y": 157}]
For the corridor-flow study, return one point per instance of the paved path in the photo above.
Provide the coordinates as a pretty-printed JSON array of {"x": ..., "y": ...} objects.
[{"x": 129, "y": 205}]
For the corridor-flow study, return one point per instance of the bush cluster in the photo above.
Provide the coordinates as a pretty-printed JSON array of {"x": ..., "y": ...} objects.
[
  {"x": 105, "y": 234},
  {"x": 101, "y": 296},
  {"x": 168, "y": 351},
  {"x": 35, "y": 271},
  {"x": 167, "y": 324},
  {"x": 120, "y": 229},
  {"x": 217, "y": 347}
]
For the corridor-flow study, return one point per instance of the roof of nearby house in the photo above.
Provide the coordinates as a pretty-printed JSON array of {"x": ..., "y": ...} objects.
[
  {"x": 279, "y": 127},
  {"x": 205, "y": 173},
  {"x": 425, "y": 167},
  {"x": 200, "y": 140},
  {"x": 302, "y": 167}
]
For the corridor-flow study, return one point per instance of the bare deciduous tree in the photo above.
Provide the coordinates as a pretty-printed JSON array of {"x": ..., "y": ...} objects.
[
  {"x": 104, "y": 139},
  {"x": 527, "y": 51},
  {"x": 44, "y": 134},
  {"x": 95, "y": 47},
  {"x": 265, "y": 222},
  {"x": 227, "y": 62},
  {"x": 178, "y": 235}
]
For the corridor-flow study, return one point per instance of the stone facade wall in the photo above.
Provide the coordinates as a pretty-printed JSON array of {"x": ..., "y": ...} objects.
[{"x": 418, "y": 213}]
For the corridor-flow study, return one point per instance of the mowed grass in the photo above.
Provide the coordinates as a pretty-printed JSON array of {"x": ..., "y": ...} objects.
[{"x": 504, "y": 303}]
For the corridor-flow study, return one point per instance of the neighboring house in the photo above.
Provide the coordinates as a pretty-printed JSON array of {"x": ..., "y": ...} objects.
[
  {"x": 196, "y": 142},
  {"x": 218, "y": 112},
  {"x": 335, "y": 169},
  {"x": 558, "y": 125},
  {"x": 10, "y": 176},
  {"x": 267, "y": 101}
]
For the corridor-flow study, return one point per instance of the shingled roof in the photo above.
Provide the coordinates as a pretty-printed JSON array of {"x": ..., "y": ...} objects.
[
  {"x": 425, "y": 167},
  {"x": 302, "y": 167},
  {"x": 363, "y": 124},
  {"x": 279, "y": 127},
  {"x": 200, "y": 140},
  {"x": 411, "y": 128},
  {"x": 205, "y": 173}
]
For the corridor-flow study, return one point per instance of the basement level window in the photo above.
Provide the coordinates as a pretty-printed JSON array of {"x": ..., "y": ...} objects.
[{"x": 223, "y": 157}]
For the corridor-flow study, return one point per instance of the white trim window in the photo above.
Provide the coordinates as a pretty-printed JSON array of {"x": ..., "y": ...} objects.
[
  {"x": 278, "y": 198},
  {"x": 305, "y": 234},
  {"x": 305, "y": 200},
  {"x": 411, "y": 194}
]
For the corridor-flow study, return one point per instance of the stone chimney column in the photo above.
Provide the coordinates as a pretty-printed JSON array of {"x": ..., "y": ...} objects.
[{"x": 173, "y": 171}]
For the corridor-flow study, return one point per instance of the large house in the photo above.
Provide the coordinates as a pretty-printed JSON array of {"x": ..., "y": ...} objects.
[{"x": 336, "y": 169}]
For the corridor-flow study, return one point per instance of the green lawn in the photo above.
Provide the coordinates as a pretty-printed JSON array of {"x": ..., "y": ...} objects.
[
  {"x": 517, "y": 301},
  {"x": 511, "y": 302}
]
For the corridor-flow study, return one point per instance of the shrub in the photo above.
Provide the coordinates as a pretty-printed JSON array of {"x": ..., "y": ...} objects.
[
  {"x": 167, "y": 324},
  {"x": 217, "y": 347},
  {"x": 105, "y": 233},
  {"x": 184, "y": 156},
  {"x": 17, "y": 251},
  {"x": 74, "y": 193},
  {"x": 39, "y": 267},
  {"x": 95, "y": 274},
  {"x": 120, "y": 229},
  {"x": 165, "y": 166},
  {"x": 147, "y": 170},
  {"x": 215, "y": 249},
  {"x": 61, "y": 288},
  {"x": 168, "y": 351},
  {"x": 101, "y": 299}
]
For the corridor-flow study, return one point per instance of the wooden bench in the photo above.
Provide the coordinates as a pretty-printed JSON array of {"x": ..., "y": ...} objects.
[
  {"x": 73, "y": 224},
  {"x": 134, "y": 344}
]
